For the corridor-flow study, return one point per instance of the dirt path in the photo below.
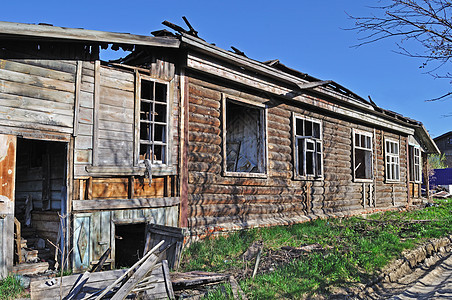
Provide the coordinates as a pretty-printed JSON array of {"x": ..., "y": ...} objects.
[{"x": 425, "y": 283}]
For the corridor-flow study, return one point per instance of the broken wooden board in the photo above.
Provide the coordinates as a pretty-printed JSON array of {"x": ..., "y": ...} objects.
[
  {"x": 30, "y": 268},
  {"x": 50, "y": 288},
  {"x": 191, "y": 279}
]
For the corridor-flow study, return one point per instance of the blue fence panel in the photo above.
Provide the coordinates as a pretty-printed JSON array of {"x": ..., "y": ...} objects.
[{"x": 441, "y": 177}]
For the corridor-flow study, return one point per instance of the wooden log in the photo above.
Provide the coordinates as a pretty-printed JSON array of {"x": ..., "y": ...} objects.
[
  {"x": 204, "y": 119},
  {"x": 278, "y": 133},
  {"x": 279, "y": 156},
  {"x": 278, "y": 119},
  {"x": 204, "y": 138},
  {"x": 243, "y": 209},
  {"x": 202, "y": 110},
  {"x": 278, "y": 126},
  {"x": 284, "y": 113},
  {"x": 204, "y": 92},
  {"x": 204, "y": 167},
  {"x": 279, "y": 148},
  {"x": 204, "y": 148},
  {"x": 205, "y": 102},
  {"x": 204, "y": 157},
  {"x": 201, "y": 128},
  {"x": 240, "y": 190},
  {"x": 206, "y": 199},
  {"x": 280, "y": 166}
]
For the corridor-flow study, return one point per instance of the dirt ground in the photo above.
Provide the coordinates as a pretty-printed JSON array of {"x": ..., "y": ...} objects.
[{"x": 434, "y": 282}]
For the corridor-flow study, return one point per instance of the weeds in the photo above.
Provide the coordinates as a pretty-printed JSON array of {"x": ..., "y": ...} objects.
[
  {"x": 354, "y": 249},
  {"x": 10, "y": 287}
]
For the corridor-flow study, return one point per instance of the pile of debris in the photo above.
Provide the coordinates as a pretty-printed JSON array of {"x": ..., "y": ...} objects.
[
  {"x": 149, "y": 278},
  {"x": 442, "y": 191}
]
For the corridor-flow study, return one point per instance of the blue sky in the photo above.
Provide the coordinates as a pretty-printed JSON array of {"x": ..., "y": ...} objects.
[{"x": 304, "y": 35}]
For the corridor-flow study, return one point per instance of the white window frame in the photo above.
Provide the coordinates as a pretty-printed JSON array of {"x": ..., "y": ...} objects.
[
  {"x": 263, "y": 133},
  {"x": 392, "y": 160},
  {"x": 165, "y": 163},
  {"x": 415, "y": 167},
  {"x": 370, "y": 150},
  {"x": 302, "y": 140}
]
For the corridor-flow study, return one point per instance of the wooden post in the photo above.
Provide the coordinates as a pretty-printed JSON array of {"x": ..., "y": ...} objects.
[{"x": 183, "y": 214}]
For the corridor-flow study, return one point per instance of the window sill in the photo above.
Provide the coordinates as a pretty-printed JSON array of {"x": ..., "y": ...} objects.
[
  {"x": 363, "y": 180},
  {"x": 308, "y": 178},
  {"x": 392, "y": 181},
  {"x": 247, "y": 175}
]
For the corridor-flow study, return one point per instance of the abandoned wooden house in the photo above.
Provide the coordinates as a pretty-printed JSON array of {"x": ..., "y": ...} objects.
[{"x": 180, "y": 133}]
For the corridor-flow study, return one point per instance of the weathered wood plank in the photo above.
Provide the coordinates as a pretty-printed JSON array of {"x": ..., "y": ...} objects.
[{"x": 26, "y": 68}]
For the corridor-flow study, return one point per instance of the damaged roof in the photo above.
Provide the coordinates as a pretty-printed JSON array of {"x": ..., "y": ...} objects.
[{"x": 189, "y": 39}]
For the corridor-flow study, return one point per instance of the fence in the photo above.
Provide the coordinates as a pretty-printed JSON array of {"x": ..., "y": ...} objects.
[{"x": 441, "y": 177}]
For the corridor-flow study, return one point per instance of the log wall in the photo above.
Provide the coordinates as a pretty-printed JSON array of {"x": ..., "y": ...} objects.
[{"x": 226, "y": 202}]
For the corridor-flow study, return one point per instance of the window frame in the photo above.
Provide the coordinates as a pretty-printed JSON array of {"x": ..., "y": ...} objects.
[
  {"x": 412, "y": 163},
  {"x": 296, "y": 138},
  {"x": 158, "y": 168},
  {"x": 263, "y": 132},
  {"x": 389, "y": 155},
  {"x": 371, "y": 150}
]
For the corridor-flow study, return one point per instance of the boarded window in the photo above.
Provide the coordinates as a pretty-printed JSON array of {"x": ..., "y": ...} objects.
[
  {"x": 415, "y": 163},
  {"x": 153, "y": 121},
  {"x": 392, "y": 160},
  {"x": 245, "y": 138},
  {"x": 362, "y": 146},
  {"x": 308, "y": 147}
]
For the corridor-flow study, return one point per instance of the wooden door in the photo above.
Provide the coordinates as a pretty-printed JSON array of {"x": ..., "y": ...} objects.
[{"x": 7, "y": 182}]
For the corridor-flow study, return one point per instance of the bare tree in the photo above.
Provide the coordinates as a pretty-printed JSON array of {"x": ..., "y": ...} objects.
[{"x": 417, "y": 24}]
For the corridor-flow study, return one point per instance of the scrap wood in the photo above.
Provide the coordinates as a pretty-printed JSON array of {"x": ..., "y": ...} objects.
[
  {"x": 305, "y": 248},
  {"x": 140, "y": 273},
  {"x": 258, "y": 259},
  {"x": 194, "y": 278},
  {"x": 77, "y": 287},
  {"x": 130, "y": 271},
  {"x": 236, "y": 288},
  {"x": 97, "y": 267}
]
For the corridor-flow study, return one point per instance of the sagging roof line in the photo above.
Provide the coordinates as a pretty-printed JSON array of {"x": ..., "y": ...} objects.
[{"x": 46, "y": 32}]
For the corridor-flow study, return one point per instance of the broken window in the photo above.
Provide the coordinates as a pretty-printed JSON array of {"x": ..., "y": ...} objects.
[
  {"x": 245, "y": 147},
  {"x": 362, "y": 157},
  {"x": 308, "y": 147},
  {"x": 415, "y": 163},
  {"x": 153, "y": 121},
  {"x": 392, "y": 160}
]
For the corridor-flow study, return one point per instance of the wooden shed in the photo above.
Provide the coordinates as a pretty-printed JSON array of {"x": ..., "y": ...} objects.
[{"x": 184, "y": 134}]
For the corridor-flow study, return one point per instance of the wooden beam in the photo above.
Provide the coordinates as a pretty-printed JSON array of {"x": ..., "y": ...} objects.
[
  {"x": 45, "y": 32},
  {"x": 96, "y": 113},
  {"x": 310, "y": 85},
  {"x": 183, "y": 211},
  {"x": 78, "y": 84},
  {"x": 105, "y": 204}
]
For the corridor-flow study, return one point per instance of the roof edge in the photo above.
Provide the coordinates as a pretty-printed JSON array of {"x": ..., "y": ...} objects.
[{"x": 85, "y": 35}]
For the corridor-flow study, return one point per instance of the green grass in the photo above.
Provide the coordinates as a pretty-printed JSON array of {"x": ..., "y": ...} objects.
[
  {"x": 10, "y": 287},
  {"x": 354, "y": 250}
]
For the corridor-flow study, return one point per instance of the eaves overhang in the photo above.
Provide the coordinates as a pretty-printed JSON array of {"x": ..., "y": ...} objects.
[{"x": 9, "y": 30}]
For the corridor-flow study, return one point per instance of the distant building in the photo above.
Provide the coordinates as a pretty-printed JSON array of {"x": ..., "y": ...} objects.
[{"x": 444, "y": 143}]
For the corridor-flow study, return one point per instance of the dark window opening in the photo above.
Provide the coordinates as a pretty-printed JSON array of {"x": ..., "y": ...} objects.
[
  {"x": 362, "y": 156},
  {"x": 308, "y": 142},
  {"x": 129, "y": 244},
  {"x": 245, "y": 144},
  {"x": 414, "y": 162},
  {"x": 153, "y": 122}
]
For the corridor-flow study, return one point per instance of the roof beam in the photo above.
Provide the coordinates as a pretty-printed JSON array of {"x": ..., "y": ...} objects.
[
  {"x": 310, "y": 85},
  {"x": 17, "y": 30}
]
